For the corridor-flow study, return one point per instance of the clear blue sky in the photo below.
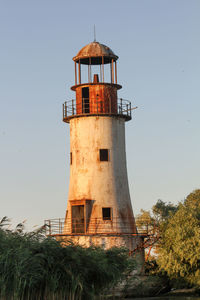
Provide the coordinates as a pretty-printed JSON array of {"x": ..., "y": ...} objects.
[{"x": 158, "y": 42}]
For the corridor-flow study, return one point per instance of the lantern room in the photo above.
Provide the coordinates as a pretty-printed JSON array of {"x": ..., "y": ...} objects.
[
  {"x": 96, "y": 84},
  {"x": 99, "y": 63}
]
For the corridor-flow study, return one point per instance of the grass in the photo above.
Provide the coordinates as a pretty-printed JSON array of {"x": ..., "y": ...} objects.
[{"x": 33, "y": 266}]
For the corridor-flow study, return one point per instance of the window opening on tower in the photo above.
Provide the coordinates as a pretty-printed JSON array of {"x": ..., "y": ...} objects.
[
  {"x": 103, "y": 154},
  {"x": 70, "y": 158},
  {"x": 106, "y": 213}
]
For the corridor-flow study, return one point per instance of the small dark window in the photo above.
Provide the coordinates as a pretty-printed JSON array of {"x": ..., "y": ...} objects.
[
  {"x": 106, "y": 213},
  {"x": 104, "y": 154},
  {"x": 70, "y": 158}
]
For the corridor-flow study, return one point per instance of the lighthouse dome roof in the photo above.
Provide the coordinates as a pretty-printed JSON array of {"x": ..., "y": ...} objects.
[{"x": 94, "y": 54}]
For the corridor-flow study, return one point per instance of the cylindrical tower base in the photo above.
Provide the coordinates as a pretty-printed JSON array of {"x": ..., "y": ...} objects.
[{"x": 99, "y": 200}]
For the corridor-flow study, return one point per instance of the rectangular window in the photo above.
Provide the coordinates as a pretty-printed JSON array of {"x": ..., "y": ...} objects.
[
  {"x": 70, "y": 158},
  {"x": 106, "y": 213},
  {"x": 104, "y": 155}
]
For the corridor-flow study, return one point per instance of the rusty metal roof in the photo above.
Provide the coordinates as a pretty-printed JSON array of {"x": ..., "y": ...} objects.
[{"x": 93, "y": 53}]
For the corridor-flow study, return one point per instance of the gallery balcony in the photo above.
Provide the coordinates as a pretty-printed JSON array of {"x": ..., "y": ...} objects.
[
  {"x": 95, "y": 227},
  {"x": 96, "y": 107}
]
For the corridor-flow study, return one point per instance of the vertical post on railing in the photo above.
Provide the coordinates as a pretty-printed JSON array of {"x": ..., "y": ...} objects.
[
  {"x": 147, "y": 228},
  {"x": 75, "y": 73},
  {"x": 49, "y": 227},
  {"x": 100, "y": 66},
  {"x": 90, "y": 70},
  {"x": 79, "y": 71},
  {"x": 127, "y": 109},
  {"x": 66, "y": 111},
  {"x": 103, "y": 67},
  {"x": 112, "y": 71},
  {"x": 121, "y": 105},
  {"x": 115, "y": 72},
  {"x": 95, "y": 225},
  {"x": 63, "y": 109},
  {"x": 72, "y": 106}
]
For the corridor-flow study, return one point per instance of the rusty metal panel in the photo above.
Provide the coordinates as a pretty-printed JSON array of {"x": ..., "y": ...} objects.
[{"x": 95, "y": 51}]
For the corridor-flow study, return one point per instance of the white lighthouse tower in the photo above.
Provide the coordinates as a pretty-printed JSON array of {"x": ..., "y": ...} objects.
[{"x": 99, "y": 210}]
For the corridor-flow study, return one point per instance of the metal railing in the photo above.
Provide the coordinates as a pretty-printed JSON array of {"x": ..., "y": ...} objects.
[
  {"x": 97, "y": 226},
  {"x": 107, "y": 106}
]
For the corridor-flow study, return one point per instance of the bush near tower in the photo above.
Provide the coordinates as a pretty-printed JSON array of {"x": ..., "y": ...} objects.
[
  {"x": 179, "y": 252},
  {"x": 35, "y": 267}
]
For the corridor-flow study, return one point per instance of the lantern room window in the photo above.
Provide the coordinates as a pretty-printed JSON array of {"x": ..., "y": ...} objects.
[
  {"x": 104, "y": 155},
  {"x": 106, "y": 213}
]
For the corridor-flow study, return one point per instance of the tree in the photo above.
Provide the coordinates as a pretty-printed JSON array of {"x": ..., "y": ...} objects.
[
  {"x": 151, "y": 223},
  {"x": 144, "y": 221},
  {"x": 179, "y": 253},
  {"x": 162, "y": 211},
  {"x": 154, "y": 220}
]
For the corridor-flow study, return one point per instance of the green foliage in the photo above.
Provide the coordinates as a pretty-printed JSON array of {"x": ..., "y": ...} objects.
[
  {"x": 144, "y": 221},
  {"x": 162, "y": 211},
  {"x": 179, "y": 253},
  {"x": 35, "y": 267},
  {"x": 151, "y": 266}
]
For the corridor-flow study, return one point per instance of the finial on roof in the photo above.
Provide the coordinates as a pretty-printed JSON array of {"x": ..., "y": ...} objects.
[{"x": 94, "y": 33}]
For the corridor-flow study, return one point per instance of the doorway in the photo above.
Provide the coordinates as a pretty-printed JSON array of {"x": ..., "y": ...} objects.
[
  {"x": 85, "y": 100},
  {"x": 78, "y": 220}
]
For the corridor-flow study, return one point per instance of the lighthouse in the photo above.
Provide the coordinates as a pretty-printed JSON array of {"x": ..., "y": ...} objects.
[{"x": 99, "y": 210}]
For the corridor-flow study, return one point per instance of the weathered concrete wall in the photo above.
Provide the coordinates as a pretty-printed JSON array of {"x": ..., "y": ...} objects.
[
  {"x": 104, "y": 183},
  {"x": 107, "y": 242}
]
